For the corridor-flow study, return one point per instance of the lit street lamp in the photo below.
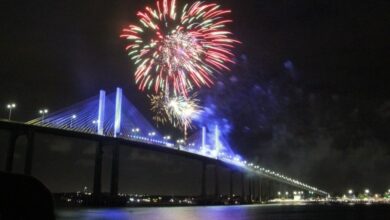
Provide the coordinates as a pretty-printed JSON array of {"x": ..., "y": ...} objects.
[
  {"x": 73, "y": 117},
  {"x": 43, "y": 112},
  {"x": 350, "y": 192},
  {"x": 96, "y": 123},
  {"x": 135, "y": 130},
  {"x": 10, "y": 107},
  {"x": 180, "y": 141}
]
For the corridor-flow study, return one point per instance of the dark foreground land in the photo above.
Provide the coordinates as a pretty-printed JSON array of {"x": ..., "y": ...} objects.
[{"x": 252, "y": 212}]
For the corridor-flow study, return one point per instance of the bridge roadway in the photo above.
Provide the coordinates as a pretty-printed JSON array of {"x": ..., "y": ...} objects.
[{"x": 17, "y": 129}]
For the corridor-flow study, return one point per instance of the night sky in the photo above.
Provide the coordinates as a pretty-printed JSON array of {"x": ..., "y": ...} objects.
[{"x": 309, "y": 94}]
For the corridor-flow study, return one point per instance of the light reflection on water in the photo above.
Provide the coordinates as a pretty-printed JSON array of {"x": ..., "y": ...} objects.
[
  {"x": 255, "y": 212},
  {"x": 188, "y": 213}
]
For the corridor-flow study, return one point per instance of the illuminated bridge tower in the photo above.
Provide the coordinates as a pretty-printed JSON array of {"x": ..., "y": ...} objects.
[
  {"x": 118, "y": 112},
  {"x": 115, "y": 151},
  {"x": 102, "y": 107}
]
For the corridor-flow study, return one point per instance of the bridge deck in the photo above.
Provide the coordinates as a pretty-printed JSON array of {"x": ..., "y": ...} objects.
[{"x": 22, "y": 128}]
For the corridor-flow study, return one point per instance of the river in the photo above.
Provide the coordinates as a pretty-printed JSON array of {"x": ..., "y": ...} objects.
[{"x": 254, "y": 212}]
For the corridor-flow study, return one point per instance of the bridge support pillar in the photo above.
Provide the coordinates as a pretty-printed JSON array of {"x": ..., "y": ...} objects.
[
  {"x": 29, "y": 153},
  {"x": 265, "y": 190},
  {"x": 203, "y": 180},
  {"x": 10, "y": 152},
  {"x": 270, "y": 189},
  {"x": 250, "y": 189},
  {"x": 216, "y": 182},
  {"x": 263, "y": 195},
  {"x": 242, "y": 187},
  {"x": 115, "y": 171},
  {"x": 231, "y": 184},
  {"x": 97, "y": 180},
  {"x": 259, "y": 184},
  {"x": 254, "y": 189}
]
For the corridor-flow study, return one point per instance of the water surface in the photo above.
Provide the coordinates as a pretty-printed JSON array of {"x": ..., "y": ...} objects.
[{"x": 255, "y": 212}]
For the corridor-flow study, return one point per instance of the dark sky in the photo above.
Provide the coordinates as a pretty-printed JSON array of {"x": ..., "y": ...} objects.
[{"x": 310, "y": 74}]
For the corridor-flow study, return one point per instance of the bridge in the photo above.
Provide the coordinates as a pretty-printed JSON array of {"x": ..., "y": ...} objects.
[{"x": 111, "y": 120}]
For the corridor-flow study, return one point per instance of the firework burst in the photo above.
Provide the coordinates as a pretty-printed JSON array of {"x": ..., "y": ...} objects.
[
  {"x": 158, "y": 103},
  {"x": 177, "y": 110},
  {"x": 176, "y": 51}
]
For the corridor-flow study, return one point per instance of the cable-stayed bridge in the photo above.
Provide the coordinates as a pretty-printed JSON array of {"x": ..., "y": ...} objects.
[{"x": 112, "y": 119}]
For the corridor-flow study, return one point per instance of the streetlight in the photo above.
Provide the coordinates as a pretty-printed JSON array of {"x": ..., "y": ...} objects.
[
  {"x": 367, "y": 191},
  {"x": 43, "y": 112},
  {"x": 167, "y": 138},
  {"x": 350, "y": 192},
  {"x": 96, "y": 124},
  {"x": 10, "y": 107},
  {"x": 73, "y": 117}
]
